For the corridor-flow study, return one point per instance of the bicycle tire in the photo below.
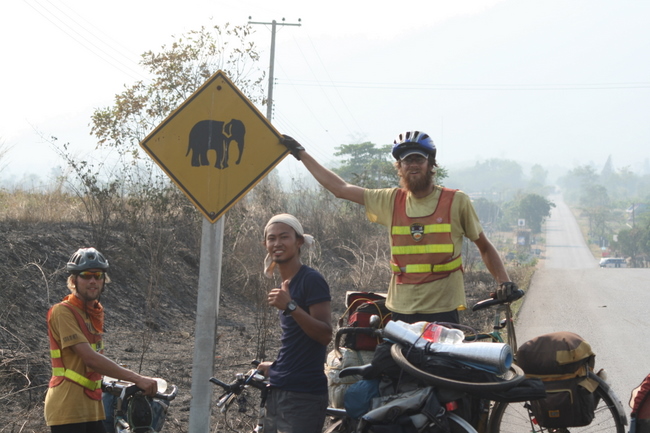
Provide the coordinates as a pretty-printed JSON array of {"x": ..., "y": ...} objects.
[
  {"x": 458, "y": 424},
  {"x": 339, "y": 425},
  {"x": 241, "y": 415},
  {"x": 516, "y": 417},
  {"x": 512, "y": 378}
]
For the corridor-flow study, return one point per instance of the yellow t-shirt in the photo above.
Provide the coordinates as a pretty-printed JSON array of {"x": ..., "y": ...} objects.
[
  {"x": 446, "y": 294},
  {"x": 67, "y": 403}
]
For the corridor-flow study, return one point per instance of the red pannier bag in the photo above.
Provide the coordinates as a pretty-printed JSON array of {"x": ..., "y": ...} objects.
[{"x": 361, "y": 306}]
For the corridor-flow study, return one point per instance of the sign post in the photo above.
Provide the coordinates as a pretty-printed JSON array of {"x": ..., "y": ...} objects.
[
  {"x": 207, "y": 311},
  {"x": 215, "y": 147}
]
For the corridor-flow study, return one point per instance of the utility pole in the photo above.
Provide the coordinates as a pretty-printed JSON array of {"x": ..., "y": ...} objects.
[{"x": 273, "y": 24}]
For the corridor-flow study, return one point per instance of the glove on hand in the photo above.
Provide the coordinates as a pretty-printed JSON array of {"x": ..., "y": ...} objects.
[
  {"x": 293, "y": 146},
  {"x": 505, "y": 290}
]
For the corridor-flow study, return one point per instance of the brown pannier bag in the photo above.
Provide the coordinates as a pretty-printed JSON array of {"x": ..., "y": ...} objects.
[{"x": 561, "y": 360}]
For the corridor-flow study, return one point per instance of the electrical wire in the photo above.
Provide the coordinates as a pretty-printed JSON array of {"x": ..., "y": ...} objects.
[
  {"x": 331, "y": 81},
  {"x": 423, "y": 86},
  {"x": 85, "y": 37},
  {"x": 321, "y": 87}
]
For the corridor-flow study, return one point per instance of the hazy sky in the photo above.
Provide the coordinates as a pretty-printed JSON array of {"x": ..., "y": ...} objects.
[{"x": 553, "y": 82}]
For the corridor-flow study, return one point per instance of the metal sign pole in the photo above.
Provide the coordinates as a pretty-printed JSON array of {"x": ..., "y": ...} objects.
[{"x": 207, "y": 311}]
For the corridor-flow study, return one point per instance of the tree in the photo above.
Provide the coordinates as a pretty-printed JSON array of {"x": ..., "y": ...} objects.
[
  {"x": 573, "y": 182},
  {"x": 537, "y": 182},
  {"x": 497, "y": 177},
  {"x": 595, "y": 204},
  {"x": 366, "y": 165},
  {"x": 635, "y": 242},
  {"x": 624, "y": 184},
  {"x": 177, "y": 71},
  {"x": 533, "y": 208},
  {"x": 371, "y": 166},
  {"x": 488, "y": 212}
]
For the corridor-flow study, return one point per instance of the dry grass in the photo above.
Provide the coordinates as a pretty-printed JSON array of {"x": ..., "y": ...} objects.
[{"x": 40, "y": 207}]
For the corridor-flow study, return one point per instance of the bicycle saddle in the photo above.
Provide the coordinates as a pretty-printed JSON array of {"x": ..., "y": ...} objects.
[{"x": 357, "y": 370}]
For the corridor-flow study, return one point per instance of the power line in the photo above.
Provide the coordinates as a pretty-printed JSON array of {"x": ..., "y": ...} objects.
[
  {"x": 81, "y": 35},
  {"x": 321, "y": 87},
  {"x": 424, "y": 86},
  {"x": 273, "y": 24},
  {"x": 331, "y": 81}
]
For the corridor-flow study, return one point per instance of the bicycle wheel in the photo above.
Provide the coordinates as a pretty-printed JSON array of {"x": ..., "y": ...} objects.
[
  {"x": 459, "y": 425},
  {"x": 511, "y": 379},
  {"x": 242, "y": 413},
  {"x": 516, "y": 417},
  {"x": 339, "y": 425}
]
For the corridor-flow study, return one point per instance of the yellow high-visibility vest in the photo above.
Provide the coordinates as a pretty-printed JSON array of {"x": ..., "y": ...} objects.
[{"x": 422, "y": 248}]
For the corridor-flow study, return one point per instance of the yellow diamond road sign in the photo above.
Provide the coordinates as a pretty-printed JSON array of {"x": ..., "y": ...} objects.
[{"x": 216, "y": 146}]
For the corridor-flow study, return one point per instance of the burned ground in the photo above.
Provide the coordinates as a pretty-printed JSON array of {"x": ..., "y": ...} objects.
[{"x": 152, "y": 334}]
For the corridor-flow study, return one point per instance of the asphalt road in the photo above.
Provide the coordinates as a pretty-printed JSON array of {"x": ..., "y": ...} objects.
[{"x": 608, "y": 307}]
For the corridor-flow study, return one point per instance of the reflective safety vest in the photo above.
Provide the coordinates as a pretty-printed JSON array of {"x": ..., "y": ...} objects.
[
  {"x": 91, "y": 381},
  {"x": 422, "y": 248}
]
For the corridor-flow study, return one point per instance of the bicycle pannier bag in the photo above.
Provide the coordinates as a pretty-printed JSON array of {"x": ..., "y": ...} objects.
[
  {"x": 358, "y": 397},
  {"x": 561, "y": 360},
  {"x": 146, "y": 414},
  {"x": 361, "y": 307},
  {"x": 337, "y": 386}
]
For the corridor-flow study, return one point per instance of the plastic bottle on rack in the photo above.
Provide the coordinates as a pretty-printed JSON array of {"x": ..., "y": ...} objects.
[{"x": 421, "y": 334}]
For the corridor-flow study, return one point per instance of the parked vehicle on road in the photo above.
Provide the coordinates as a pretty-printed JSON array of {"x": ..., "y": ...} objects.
[{"x": 612, "y": 262}]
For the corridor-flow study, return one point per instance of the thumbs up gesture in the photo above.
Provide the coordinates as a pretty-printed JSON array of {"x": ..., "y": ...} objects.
[{"x": 280, "y": 297}]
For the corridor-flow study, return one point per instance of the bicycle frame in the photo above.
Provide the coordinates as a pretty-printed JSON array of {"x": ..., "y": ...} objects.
[{"x": 503, "y": 319}]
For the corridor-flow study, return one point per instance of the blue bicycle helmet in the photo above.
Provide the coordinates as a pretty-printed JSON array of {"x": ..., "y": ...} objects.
[
  {"x": 413, "y": 142},
  {"x": 86, "y": 258}
]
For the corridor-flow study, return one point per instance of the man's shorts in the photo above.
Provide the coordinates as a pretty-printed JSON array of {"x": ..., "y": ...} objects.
[{"x": 294, "y": 412}]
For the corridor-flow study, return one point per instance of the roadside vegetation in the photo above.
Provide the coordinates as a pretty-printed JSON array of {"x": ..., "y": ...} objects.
[{"x": 613, "y": 209}]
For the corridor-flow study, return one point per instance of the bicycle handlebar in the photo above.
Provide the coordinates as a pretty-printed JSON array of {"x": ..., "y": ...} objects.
[
  {"x": 129, "y": 389},
  {"x": 480, "y": 305},
  {"x": 253, "y": 378},
  {"x": 168, "y": 396},
  {"x": 227, "y": 387}
]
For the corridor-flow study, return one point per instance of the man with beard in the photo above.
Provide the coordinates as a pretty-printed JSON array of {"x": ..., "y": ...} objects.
[{"x": 426, "y": 225}]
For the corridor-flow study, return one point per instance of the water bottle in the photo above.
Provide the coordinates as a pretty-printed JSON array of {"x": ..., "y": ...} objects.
[
  {"x": 420, "y": 334},
  {"x": 434, "y": 338}
]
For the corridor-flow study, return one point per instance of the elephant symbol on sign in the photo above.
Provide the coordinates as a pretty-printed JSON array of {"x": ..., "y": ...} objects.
[{"x": 215, "y": 135}]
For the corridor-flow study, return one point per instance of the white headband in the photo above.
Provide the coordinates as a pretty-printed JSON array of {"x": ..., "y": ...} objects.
[{"x": 292, "y": 222}]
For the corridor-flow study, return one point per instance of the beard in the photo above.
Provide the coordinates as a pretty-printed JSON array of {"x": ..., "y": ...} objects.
[
  {"x": 87, "y": 297},
  {"x": 416, "y": 184}
]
